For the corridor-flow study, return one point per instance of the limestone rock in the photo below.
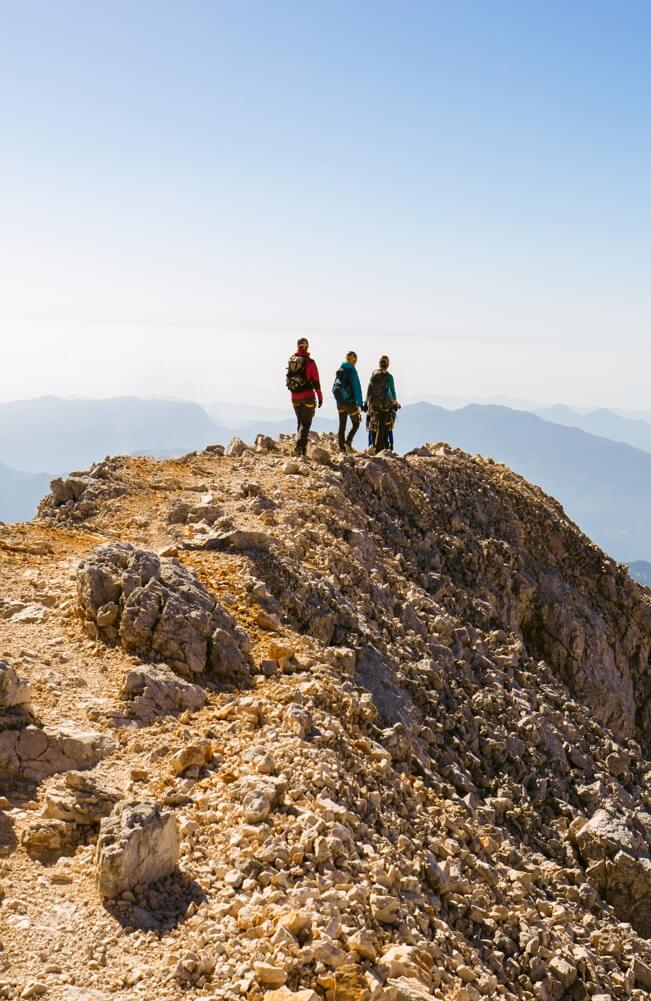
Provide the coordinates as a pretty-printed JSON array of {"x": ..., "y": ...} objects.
[
  {"x": 15, "y": 698},
  {"x": 81, "y": 495},
  {"x": 407, "y": 989},
  {"x": 269, "y": 975},
  {"x": 284, "y": 994},
  {"x": 80, "y": 798},
  {"x": 139, "y": 843},
  {"x": 405, "y": 961},
  {"x": 34, "y": 753},
  {"x": 164, "y": 612},
  {"x": 193, "y": 755},
  {"x": 44, "y": 837},
  {"x": 236, "y": 447},
  {"x": 154, "y": 690},
  {"x": 563, "y": 971}
]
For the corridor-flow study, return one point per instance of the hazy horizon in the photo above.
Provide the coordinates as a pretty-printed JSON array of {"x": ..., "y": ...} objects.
[{"x": 282, "y": 403}]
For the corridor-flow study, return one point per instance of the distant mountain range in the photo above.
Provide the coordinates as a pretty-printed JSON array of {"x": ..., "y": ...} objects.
[
  {"x": 604, "y": 485},
  {"x": 20, "y": 492},
  {"x": 61, "y": 435},
  {"x": 606, "y": 423},
  {"x": 641, "y": 571}
]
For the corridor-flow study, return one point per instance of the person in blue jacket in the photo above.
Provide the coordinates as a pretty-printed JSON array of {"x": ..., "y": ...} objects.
[{"x": 347, "y": 391}]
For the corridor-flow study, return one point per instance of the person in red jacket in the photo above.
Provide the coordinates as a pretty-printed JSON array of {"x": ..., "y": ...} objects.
[{"x": 305, "y": 387}]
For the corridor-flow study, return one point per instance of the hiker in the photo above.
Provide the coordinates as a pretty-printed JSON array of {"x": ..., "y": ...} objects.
[
  {"x": 369, "y": 433},
  {"x": 382, "y": 403},
  {"x": 303, "y": 383},
  {"x": 347, "y": 391}
]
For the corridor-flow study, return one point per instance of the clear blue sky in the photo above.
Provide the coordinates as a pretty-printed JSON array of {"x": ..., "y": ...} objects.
[{"x": 185, "y": 187}]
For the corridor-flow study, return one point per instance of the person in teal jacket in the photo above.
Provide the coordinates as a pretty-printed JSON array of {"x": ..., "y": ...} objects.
[
  {"x": 347, "y": 391},
  {"x": 382, "y": 404}
]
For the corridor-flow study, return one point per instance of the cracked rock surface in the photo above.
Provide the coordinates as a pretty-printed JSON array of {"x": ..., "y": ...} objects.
[
  {"x": 157, "y": 608},
  {"x": 137, "y": 844}
]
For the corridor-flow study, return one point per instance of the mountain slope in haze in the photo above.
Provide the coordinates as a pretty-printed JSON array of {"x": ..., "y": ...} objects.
[
  {"x": 640, "y": 570},
  {"x": 606, "y": 423},
  {"x": 604, "y": 486},
  {"x": 238, "y": 415},
  {"x": 20, "y": 493},
  {"x": 62, "y": 435},
  {"x": 395, "y": 708}
]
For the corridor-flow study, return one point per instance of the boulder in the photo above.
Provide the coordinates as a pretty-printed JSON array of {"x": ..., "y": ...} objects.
[
  {"x": 264, "y": 443},
  {"x": 15, "y": 698},
  {"x": 80, "y": 798},
  {"x": 603, "y": 835},
  {"x": 628, "y": 889},
  {"x": 156, "y": 607},
  {"x": 138, "y": 843},
  {"x": 43, "y": 837},
  {"x": 33, "y": 753},
  {"x": 406, "y": 961},
  {"x": 154, "y": 690},
  {"x": 236, "y": 447},
  {"x": 617, "y": 857}
]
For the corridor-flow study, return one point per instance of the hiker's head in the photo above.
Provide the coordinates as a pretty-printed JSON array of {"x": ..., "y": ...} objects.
[
  {"x": 302, "y": 344},
  {"x": 352, "y": 357},
  {"x": 384, "y": 362}
]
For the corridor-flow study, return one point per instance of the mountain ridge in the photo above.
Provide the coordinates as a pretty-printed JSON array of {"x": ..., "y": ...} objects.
[
  {"x": 392, "y": 714},
  {"x": 605, "y": 486}
]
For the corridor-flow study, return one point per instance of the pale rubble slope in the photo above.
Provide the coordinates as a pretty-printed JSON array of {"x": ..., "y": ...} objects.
[{"x": 425, "y": 778}]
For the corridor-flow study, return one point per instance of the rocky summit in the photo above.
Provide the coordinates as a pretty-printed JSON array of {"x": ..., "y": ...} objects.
[{"x": 352, "y": 729}]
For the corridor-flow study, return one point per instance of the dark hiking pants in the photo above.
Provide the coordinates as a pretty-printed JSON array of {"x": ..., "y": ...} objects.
[
  {"x": 383, "y": 421},
  {"x": 304, "y": 417},
  {"x": 347, "y": 410}
]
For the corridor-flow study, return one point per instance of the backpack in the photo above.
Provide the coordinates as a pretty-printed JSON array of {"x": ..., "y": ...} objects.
[
  {"x": 295, "y": 379},
  {"x": 378, "y": 390},
  {"x": 341, "y": 388}
]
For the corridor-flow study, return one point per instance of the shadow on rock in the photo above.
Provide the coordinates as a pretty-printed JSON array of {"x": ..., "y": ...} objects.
[{"x": 160, "y": 906}]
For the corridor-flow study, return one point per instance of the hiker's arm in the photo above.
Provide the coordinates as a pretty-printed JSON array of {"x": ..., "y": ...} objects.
[
  {"x": 357, "y": 390},
  {"x": 392, "y": 389},
  {"x": 314, "y": 380}
]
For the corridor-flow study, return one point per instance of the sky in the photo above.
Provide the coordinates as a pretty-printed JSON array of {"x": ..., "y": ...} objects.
[{"x": 187, "y": 188}]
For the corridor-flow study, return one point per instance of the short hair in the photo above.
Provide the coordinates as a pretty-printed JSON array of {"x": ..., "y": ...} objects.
[
  {"x": 302, "y": 340},
  {"x": 384, "y": 361},
  {"x": 353, "y": 353}
]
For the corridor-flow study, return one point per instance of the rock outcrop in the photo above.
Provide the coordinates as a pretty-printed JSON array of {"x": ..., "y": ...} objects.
[
  {"x": 35, "y": 752},
  {"x": 15, "y": 698},
  {"x": 153, "y": 690},
  {"x": 137, "y": 844},
  {"x": 81, "y": 495},
  {"x": 155, "y": 607},
  {"x": 74, "y": 806}
]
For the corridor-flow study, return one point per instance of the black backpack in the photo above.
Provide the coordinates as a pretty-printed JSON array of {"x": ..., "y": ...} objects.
[
  {"x": 378, "y": 390},
  {"x": 295, "y": 379},
  {"x": 341, "y": 388}
]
